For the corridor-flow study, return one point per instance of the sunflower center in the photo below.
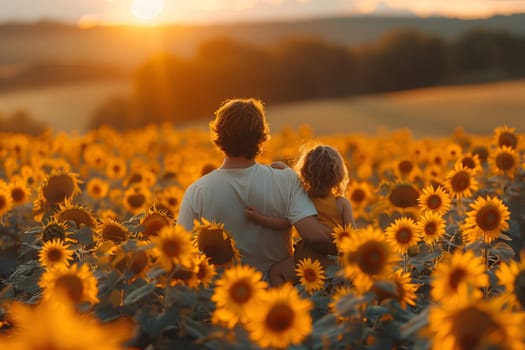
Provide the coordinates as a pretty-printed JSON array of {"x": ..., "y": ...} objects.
[
  {"x": 403, "y": 235},
  {"x": 405, "y": 167},
  {"x": 18, "y": 194},
  {"x": 241, "y": 292},
  {"x": 519, "y": 287},
  {"x": 79, "y": 216},
  {"x": 153, "y": 224},
  {"x": 460, "y": 181},
  {"x": 139, "y": 262},
  {"x": 404, "y": 196},
  {"x": 430, "y": 228},
  {"x": 96, "y": 190},
  {"x": 58, "y": 188},
  {"x": 371, "y": 257},
  {"x": 488, "y": 218},
  {"x": 136, "y": 200},
  {"x": 3, "y": 202},
  {"x": 217, "y": 248},
  {"x": 434, "y": 202},
  {"x": 172, "y": 201},
  {"x": 114, "y": 233},
  {"x": 507, "y": 139},
  {"x": 280, "y": 318},
  {"x": 468, "y": 162},
  {"x": 72, "y": 286},
  {"x": 171, "y": 248},
  {"x": 456, "y": 277},
  {"x": 471, "y": 326},
  {"x": 505, "y": 161},
  {"x": 54, "y": 255},
  {"x": 53, "y": 231},
  {"x": 358, "y": 195},
  {"x": 310, "y": 275},
  {"x": 135, "y": 178},
  {"x": 482, "y": 152}
]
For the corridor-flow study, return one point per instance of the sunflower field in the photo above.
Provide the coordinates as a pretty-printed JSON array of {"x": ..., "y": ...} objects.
[{"x": 91, "y": 256}]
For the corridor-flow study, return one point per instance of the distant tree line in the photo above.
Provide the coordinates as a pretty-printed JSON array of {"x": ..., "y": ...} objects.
[{"x": 176, "y": 89}]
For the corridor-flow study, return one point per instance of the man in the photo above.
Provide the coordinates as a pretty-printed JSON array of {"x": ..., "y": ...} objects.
[{"x": 239, "y": 130}]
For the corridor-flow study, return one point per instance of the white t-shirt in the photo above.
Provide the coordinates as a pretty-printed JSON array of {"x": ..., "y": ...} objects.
[{"x": 222, "y": 196}]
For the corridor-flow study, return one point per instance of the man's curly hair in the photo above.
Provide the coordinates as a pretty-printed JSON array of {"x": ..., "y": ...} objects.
[{"x": 240, "y": 128}]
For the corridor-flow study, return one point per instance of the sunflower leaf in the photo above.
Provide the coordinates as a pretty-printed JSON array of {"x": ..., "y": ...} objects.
[
  {"x": 83, "y": 235},
  {"x": 415, "y": 324},
  {"x": 139, "y": 293}
]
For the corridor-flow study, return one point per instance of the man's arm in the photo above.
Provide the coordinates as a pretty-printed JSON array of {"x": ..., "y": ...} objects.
[{"x": 317, "y": 234}]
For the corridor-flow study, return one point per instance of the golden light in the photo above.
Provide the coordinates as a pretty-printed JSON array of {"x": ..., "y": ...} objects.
[{"x": 147, "y": 9}]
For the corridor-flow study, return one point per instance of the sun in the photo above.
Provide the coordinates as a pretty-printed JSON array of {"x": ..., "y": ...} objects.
[{"x": 147, "y": 9}]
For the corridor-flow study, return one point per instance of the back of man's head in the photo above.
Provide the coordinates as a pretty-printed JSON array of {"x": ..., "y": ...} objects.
[{"x": 240, "y": 128}]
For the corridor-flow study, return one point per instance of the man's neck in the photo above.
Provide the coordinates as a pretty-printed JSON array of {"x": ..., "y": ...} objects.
[{"x": 237, "y": 162}]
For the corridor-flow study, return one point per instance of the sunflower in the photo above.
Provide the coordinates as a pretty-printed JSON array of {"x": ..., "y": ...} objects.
[
  {"x": 216, "y": 243},
  {"x": 6, "y": 202},
  {"x": 360, "y": 194},
  {"x": 79, "y": 215},
  {"x": 504, "y": 161},
  {"x": 139, "y": 261},
  {"x": 402, "y": 234},
  {"x": 116, "y": 168},
  {"x": 434, "y": 199},
  {"x": 458, "y": 269},
  {"x": 339, "y": 292},
  {"x": 154, "y": 220},
  {"x": 403, "y": 195},
  {"x": 311, "y": 274},
  {"x": 173, "y": 247},
  {"x": 205, "y": 270},
  {"x": 170, "y": 199},
  {"x": 511, "y": 275},
  {"x": 111, "y": 230},
  {"x": 95, "y": 155},
  {"x": 487, "y": 219},
  {"x": 400, "y": 288},
  {"x": 505, "y": 136},
  {"x": 54, "y": 229},
  {"x": 464, "y": 321},
  {"x": 58, "y": 326},
  {"x": 236, "y": 293},
  {"x": 97, "y": 188},
  {"x": 59, "y": 186},
  {"x": 482, "y": 152},
  {"x": 471, "y": 161},
  {"x": 281, "y": 319},
  {"x": 136, "y": 199},
  {"x": 341, "y": 233},
  {"x": 453, "y": 151},
  {"x": 55, "y": 253},
  {"x": 430, "y": 227},
  {"x": 367, "y": 254},
  {"x": 460, "y": 182},
  {"x": 19, "y": 192},
  {"x": 77, "y": 283}
]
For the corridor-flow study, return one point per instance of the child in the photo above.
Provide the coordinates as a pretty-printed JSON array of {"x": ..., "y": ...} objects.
[{"x": 325, "y": 178}]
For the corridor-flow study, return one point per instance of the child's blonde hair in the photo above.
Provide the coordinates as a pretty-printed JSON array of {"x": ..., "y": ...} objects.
[{"x": 323, "y": 171}]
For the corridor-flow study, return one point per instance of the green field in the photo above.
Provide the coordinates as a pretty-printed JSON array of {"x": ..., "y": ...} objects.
[{"x": 427, "y": 112}]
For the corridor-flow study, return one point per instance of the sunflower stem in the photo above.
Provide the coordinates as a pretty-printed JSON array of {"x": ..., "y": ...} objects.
[{"x": 486, "y": 257}]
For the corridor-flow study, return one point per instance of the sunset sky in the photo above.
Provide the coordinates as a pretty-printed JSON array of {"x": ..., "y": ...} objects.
[{"x": 150, "y": 12}]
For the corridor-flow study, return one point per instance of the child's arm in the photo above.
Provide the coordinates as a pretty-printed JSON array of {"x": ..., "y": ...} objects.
[
  {"x": 267, "y": 221},
  {"x": 345, "y": 208}
]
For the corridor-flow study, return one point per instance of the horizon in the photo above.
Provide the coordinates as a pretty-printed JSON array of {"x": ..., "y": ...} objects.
[{"x": 87, "y": 14}]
